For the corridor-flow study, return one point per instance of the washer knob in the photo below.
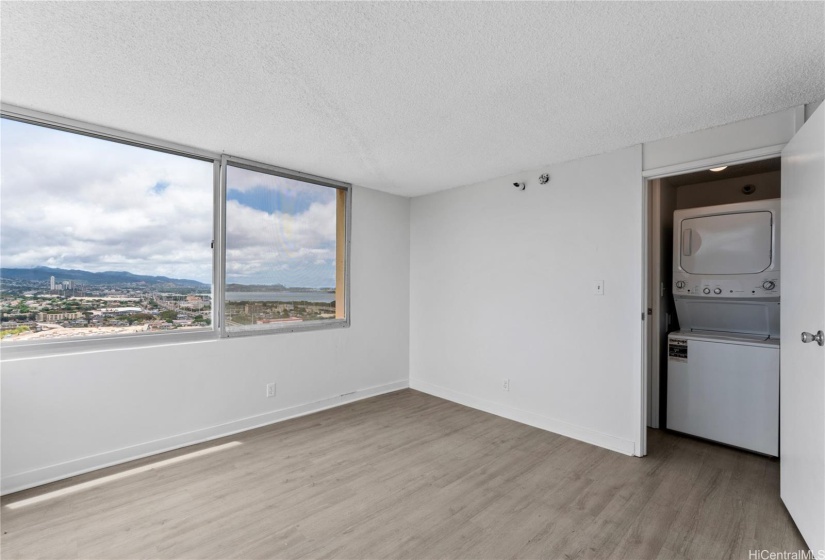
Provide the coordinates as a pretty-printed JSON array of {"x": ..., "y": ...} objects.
[
  {"x": 769, "y": 284},
  {"x": 706, "y": 291},
  {"x": 680, "y": 284},
  {"x": 717, "y": 291}
]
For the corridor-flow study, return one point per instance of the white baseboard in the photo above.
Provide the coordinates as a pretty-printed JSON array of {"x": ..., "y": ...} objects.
[
  {"x": 36, "y": 477},
  {"x": 560, "y": 427}
]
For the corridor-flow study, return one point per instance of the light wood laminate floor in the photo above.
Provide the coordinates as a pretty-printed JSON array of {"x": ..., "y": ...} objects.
[{"x": 408, "y": 475}]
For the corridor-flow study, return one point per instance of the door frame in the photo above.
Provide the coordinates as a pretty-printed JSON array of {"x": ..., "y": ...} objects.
[{"x": 649, "y": 175}]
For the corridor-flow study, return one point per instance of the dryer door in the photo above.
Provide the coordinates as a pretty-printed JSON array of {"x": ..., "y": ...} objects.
[{"x": 726, "y": 243}]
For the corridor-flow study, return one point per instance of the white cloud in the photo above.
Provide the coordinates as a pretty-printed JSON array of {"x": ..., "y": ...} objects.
[
  {"x": 290, "y": 249},
  {"x": 71, "y": 201},
  {"x": 245, "y": 180}
]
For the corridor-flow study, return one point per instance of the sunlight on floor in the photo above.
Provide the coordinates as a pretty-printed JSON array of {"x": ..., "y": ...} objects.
[{"x": 120, "y": 475}]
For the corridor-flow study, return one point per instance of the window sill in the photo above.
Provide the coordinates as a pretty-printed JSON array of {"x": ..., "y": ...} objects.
[
  {"x": 14, "y": 351},
  {"x": 291, "y": 327}
]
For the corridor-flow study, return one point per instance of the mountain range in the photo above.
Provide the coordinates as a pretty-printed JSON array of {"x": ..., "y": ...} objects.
[
  {"x": 44, "y": 273},
  {"x": 272, "y": 288}
]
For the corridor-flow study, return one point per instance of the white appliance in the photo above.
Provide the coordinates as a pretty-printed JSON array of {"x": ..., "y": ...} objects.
[
  {"x": 725, "y": 388},
  {"x": 726, "y": 267},
  {"x": 723, "y": 365}
]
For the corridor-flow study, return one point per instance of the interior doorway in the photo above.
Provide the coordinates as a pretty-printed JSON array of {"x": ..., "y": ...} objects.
[{"x": 735, "y": 183}]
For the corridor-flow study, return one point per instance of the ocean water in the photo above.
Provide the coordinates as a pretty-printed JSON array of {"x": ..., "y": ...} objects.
[{"x": 280, "y": 296}]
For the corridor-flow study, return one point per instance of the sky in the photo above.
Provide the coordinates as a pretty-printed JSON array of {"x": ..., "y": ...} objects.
[
  {"x": 72, "y": 201},
  {"x": 279, "y": 231}
]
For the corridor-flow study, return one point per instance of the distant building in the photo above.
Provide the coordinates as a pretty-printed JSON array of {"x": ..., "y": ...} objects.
[
  {"x": 120, "y": 310},
  {"x": 52, "y": 283},
  {"x": 53, "y": 317}
]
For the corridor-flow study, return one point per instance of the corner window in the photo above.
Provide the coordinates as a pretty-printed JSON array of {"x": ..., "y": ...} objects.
[
  {"x": 111, "y": 239},
  {"x": 101, "y": 238},
  {"x": 285, "y": 251}
]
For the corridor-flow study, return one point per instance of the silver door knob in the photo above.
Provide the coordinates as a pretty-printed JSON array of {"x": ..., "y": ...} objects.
[{"x": 818, "y": 337}]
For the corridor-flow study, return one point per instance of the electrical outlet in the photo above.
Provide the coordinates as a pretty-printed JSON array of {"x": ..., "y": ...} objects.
[
  {"x": 270, "y": 389},
  {"x": 505, "y": 384},
  {"x": 598, "y": 287}
]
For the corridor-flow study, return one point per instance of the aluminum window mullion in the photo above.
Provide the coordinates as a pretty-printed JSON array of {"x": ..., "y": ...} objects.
[
  {"x": 347, "y": 265},
  {"x": 220, "y": 249},
  {"x": 104, "y": 133},
  {"x": 286, "y": 173},
  {"x": 217, "y": 258}
]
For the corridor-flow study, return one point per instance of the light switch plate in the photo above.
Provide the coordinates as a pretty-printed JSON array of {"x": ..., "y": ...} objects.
[{"x": 598, "y": 287}]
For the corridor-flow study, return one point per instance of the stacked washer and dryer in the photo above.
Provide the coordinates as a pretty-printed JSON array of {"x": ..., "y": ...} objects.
[{"x": 723, "y": 363}]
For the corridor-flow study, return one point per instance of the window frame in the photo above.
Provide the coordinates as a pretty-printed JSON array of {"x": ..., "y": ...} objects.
[
  {"x": 250, "y": 165},
  {"x": 217, "y": 330}
]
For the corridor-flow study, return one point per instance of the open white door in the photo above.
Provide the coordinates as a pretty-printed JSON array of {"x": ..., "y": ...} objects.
[{"x": 802, "y": 385}]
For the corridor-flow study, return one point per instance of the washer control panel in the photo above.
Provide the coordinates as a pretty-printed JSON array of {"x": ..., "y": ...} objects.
[{"x": 754, "y": 286}]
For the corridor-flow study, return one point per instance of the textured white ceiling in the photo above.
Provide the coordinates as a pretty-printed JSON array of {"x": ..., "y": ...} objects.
[{"x": 412, "y": 98}]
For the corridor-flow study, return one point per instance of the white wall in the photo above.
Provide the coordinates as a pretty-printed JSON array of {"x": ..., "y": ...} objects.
[
  {"x": 69, "y": 414},
  {"x": 451, "y": 293},
  {"x": 811, "y": 107},
  {"x": 501, "y": 287}
]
